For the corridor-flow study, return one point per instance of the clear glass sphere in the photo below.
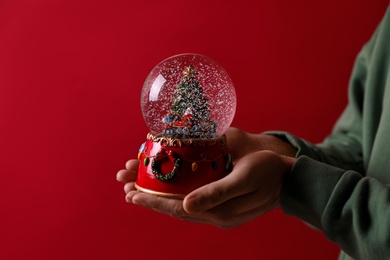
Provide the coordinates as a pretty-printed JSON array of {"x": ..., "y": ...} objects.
[{"x": 188, "y": 96}]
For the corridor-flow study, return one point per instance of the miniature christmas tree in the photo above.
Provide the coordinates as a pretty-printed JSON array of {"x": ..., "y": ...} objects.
[{"x": 189, "y": 115}]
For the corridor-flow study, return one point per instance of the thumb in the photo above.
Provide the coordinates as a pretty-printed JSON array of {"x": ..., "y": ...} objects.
[
  {"x": 211, "y": 195},
  {"x": 240, "y": 181}
]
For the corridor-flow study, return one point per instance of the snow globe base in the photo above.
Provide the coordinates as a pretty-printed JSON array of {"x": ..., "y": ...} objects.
[{"x": 173, "y": 167}]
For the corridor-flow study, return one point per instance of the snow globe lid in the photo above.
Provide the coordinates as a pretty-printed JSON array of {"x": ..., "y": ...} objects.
[{"x": 188, "y": 96}]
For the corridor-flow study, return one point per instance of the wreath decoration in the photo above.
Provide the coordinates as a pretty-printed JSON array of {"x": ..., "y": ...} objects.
[{"x": 156, "y": 163}]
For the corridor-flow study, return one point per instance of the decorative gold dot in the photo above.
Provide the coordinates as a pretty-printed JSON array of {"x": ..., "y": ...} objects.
[{"x": 194, "y": 166}]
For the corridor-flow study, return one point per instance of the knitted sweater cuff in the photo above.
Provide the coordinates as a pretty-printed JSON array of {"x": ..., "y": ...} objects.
[{"x": 307, "y": 189}]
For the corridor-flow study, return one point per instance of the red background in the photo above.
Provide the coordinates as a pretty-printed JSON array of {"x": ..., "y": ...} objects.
[{"x": 71, "y": 73}]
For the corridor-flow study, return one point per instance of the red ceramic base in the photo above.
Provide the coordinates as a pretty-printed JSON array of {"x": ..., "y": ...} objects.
[{"x": 175, "y": 167}]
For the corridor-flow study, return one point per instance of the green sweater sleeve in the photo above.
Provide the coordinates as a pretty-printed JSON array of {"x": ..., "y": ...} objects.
[
  {"x": 351, "y": 210},
  {"x": 337, "y": 186},
  {"x": 344, "y": 147}
]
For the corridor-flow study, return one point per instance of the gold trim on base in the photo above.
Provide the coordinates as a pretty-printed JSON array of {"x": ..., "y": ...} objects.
[
  {"x": 174, "y": 142},
  {"x": 161, "y": 194}
]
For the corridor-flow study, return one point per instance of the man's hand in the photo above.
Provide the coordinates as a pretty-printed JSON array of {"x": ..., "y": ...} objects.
[{"x": 250, "y": 190}]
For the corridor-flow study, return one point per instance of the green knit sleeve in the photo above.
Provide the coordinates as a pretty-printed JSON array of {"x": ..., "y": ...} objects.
[
  {"x": 328, "y": 186},
  {"x": 343, "y": 148},
  {"x": 351, "y": 210}
]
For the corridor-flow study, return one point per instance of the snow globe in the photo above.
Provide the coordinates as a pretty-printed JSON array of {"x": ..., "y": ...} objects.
[{"x": 188, "y": 101}]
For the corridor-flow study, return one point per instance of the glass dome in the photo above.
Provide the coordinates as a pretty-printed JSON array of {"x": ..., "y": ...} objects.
[{"x": 188, "y": 96}]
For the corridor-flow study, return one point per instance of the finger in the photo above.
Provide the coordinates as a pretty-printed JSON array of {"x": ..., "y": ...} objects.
[
  {"x": 226, "y": 216},
  {"x": 241, "y": 143},
  {"x": 216, "y": 216},
  {"x": 242, "y": 180},
  {"x": 132, "y": 164},
  {"x": 126, "y": 175},
  {"x": 239, "y": 210},
  {"x": 233, "y": 212},
  {"x": 129, "y": 187},
  {"x": 238, "y": 205},
  {"x": 172, "y": 207},
  {"x": 130, "y": 195},
  {"x": 169, "y": 206},
  {"x": 214, "y": 194},
  {"x": 225, "y": 221},
  {"x": 235, "y": 138}
]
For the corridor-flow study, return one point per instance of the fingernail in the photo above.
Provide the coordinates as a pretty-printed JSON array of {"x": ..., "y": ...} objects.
[
  {"x": 191, "y": 207},
  {"x": 128, "y": 199}
]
